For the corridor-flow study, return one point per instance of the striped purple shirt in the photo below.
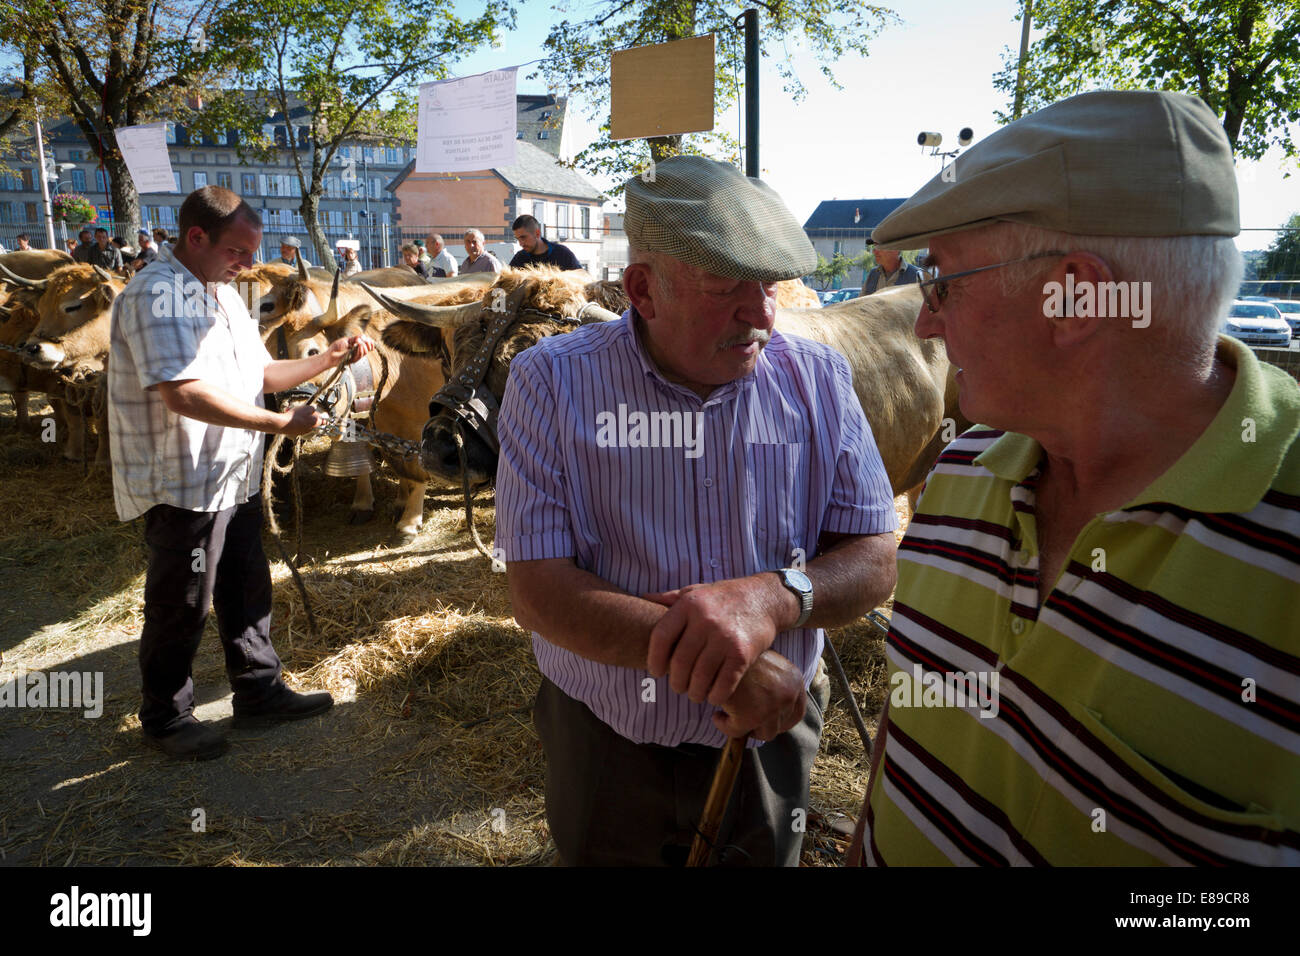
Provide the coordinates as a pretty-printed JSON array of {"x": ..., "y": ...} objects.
[{"x": 650, "y": 487}]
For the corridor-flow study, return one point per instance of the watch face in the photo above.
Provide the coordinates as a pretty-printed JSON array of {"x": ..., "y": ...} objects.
[{"x": 797, "y": 579}]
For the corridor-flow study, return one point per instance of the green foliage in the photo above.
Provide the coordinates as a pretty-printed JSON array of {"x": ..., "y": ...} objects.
[
  {"x": 352, "y": 64},
  {"x": 1282, "y": 259},
  {"x": 1242, "y": 57},
  {"x": 828, "y": 272},
  {"x": 579, "y": 51}
]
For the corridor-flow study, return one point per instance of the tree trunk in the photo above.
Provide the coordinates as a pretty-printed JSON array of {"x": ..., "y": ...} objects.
[
  {"x": 123, "y": 196},
  {"x": 310, "y": 210}
]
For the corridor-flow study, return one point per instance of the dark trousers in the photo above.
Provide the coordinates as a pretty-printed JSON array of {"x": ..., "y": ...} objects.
[
  {"x": 231, "y": 573},
  {"x": 612, "y": 802}
]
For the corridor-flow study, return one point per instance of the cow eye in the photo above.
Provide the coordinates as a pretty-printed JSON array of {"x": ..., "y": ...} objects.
[
  {"x": 313, "y": 351},
  {"x": 267, "y": 307},
  {"x": 72, "y": 308}
]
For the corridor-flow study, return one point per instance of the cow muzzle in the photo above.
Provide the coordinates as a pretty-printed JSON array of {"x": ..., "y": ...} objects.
[
  {"x": 44, "y": 355},
  {"x": 440, "y": 455}
]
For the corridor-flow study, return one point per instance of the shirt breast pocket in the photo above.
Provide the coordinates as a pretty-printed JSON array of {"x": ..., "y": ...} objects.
[{"x": 777, "y": 496}]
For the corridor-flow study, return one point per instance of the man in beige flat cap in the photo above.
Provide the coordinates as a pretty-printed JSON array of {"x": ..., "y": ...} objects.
[
  {"x": 1095, "y": 644},
  {"x": 685, "y": 498}
]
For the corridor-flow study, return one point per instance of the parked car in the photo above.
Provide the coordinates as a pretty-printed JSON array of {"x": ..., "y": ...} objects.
[
  {"x": 1291, "y": 312},
  {"x": 1258, "y": 323},
  {"x": 839, "y": 295},
  {"x": 1253, "y": 298}
]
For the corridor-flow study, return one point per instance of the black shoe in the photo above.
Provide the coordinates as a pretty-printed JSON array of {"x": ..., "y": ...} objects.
[
  {"x": 284, "y": 705},
  {"x": 192, "y": 740}
]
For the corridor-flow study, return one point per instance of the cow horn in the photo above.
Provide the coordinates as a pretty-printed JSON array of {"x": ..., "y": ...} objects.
[
  {"x": 594, "y": 313},
  {"x": 302, "y": 269},
  {"x": 331, "y": 315},
  {"x": 437, "y": 316},
  {"x": 104, "y": 273},
  {"x": 22, "y": 281}
]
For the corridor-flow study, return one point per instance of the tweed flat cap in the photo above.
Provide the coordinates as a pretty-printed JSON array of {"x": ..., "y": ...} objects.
[
  {"x": 1109, "y": 163},
  {"x": 291, "y": 241},
  {"x": 713, "y": 216}
]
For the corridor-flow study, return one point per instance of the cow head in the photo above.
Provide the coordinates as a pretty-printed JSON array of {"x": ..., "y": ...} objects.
[
  {"x": 74, "y": 318},
  {"x": 540, "y": 303}
]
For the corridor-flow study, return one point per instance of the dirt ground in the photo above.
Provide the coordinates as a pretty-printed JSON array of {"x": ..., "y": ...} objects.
[{"x": 429, "y": 756}]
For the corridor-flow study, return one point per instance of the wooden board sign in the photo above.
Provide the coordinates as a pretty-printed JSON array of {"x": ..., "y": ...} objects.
[{"x": 663, "y": 89}]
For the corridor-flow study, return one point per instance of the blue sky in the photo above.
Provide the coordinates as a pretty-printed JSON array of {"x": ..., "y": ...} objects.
[{"x": 934, "y": 72}]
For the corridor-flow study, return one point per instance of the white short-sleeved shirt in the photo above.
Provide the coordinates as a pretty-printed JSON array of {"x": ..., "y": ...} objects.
[{"x": 166, "y": 327}]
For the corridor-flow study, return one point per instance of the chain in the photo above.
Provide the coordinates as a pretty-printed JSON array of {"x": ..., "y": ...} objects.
[{"x": 350, "y": 429}]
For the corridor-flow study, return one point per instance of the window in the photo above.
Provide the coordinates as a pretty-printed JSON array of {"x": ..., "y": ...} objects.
[
  {"x": 543, "y": 134},
  {"x": 836, "y": 252},
  {"x": 222, "y": 138},
  {"x": 519, "y": 134},
  {"x": 563, "y": 231},
  {"x": 171, "y": 134},
  {"x": 10, "y": 183},
  {"x": 177, "y": 176},
  {"x": 281, "y": 137},
  {"x": 539, "y": 212},
  {"x": 248, "y": 184},
  {"x": 335, "y": 218},
  {"x": 585, "y": 213},
  {"x": 369, "y": 154},
  {"x": 546, "y": 114},
  {"x": 200, "y": 179},
  {"x": 392, "y": 156},
  {"x": 79, "y": 180},
  {"x": 374, "y": 187},
  {"x": 74, "y": 155},
  {"x": 6, "y": 212},
  {"x": 166, "y": 215},
  {"x": 101, "y": 181}
]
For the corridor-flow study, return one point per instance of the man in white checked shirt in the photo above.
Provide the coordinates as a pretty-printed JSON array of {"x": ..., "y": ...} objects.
[
  {"x": 660, "y": 570},
  {"x": 186, "y": 374}
]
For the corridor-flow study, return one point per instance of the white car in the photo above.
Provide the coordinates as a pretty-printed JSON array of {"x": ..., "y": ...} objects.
[
  {"x": 1258, "y": 323},
  {"x": 1291, "y": 312}
]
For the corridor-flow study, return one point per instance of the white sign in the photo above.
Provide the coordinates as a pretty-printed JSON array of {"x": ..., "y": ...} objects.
[
  {"x": 144, "y": 148},
  {"x": 467, "y": 124}
]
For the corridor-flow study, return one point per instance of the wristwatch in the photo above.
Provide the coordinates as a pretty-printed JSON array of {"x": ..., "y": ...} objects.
[{"x": 801, "y": 587}]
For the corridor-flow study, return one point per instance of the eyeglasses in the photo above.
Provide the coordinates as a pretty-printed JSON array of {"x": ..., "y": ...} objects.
[{"x": 934, "y": 297}]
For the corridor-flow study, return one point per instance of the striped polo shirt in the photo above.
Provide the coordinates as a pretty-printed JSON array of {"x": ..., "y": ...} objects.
[
  {"x": 1149, "y": 711},
  {"x": 650, "y": 487}
]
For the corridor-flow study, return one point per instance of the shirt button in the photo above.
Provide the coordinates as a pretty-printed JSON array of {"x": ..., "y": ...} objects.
[
  {"x": 1023, "y": 557},
  {"x": 1017, "y": 625},
  {"x": 713, "y": 563},
  {"x": 708, "y": 482}
]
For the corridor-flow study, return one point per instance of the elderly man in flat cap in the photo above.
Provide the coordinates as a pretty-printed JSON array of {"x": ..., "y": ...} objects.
[
  {"x": 686, "y": 497},
  {"x": 291, "y": 250},
  {"x": 1095, "y": 647}
]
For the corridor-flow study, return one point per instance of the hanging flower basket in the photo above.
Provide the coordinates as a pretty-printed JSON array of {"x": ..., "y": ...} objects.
[{"x": 73, "y": 207}]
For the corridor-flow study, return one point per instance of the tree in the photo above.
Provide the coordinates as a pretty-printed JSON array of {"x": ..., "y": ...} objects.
[
  {"x": 829, "y": 272},
  {"x": 1242, "y": 57},
  {"x": 352, "y": 65},
  {"x": 118, "y": 63},
  {"x": 578, "y": 57},
  {"x": 1282, "y": 259}
]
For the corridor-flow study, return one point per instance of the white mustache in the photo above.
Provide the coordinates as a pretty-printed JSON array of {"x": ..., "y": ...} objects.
[{"x": 761, "y": 336}]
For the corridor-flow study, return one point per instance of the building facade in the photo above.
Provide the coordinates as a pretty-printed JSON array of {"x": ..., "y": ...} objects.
[{"x": 843, "y": 226}]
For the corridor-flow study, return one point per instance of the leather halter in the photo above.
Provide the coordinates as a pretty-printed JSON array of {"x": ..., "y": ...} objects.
[{"x": 466, "y": 396}]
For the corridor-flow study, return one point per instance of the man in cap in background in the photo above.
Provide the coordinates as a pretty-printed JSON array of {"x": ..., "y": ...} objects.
[
  {"x": 890, "y": 270},
  {"x": 1096, "y": 634},
  {"x": 291, "y": 250},
  {"x": 665, "y": 629},
  {"x": 441, "y": 258}
]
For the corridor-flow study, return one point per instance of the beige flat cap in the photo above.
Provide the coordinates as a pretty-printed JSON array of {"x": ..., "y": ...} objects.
[
  {"x": 1110, "y": 163},
  {"x": 713, "y": 216}
]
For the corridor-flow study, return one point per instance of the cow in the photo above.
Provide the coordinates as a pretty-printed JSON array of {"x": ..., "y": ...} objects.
[
  {"x": 71, "y": 336},
  {"x": 403, "y": 382},
  {"x": 905, "y": 384},
  {"x": 22, "y": 280}
]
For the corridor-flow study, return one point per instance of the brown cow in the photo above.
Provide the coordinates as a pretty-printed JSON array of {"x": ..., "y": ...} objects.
[
  {"x": 22, "y": 280},
  {"x": 72, "y": 335},
  {"x": 904, "y": 383}
]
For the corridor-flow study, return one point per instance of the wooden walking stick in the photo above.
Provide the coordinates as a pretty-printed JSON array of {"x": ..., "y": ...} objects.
[{"x": 724, "y": 782}]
